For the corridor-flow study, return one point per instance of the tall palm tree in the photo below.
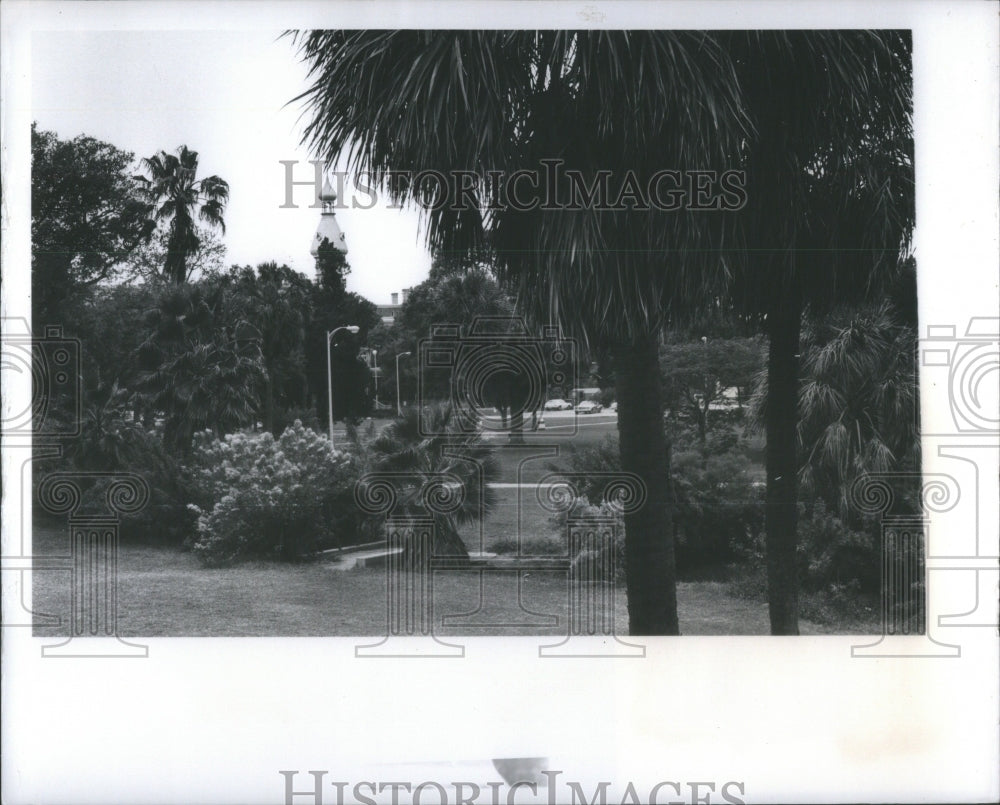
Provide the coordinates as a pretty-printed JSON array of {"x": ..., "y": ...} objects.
[
  {"x": 176, "y": 197},
  {"x": 616, "y": 101},
  {"x": 830, "y": 210}
]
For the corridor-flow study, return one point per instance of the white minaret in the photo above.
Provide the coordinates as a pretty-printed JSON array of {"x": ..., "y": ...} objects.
[{"x": 327, "y": 228}]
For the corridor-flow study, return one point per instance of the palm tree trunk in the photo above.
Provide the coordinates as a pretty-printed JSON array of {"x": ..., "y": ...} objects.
[
  {"x": 781, "y": 509},
  {"x": 650, "y": 570}
]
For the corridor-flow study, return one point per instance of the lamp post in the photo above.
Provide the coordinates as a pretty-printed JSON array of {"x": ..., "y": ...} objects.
[
  {"x": 375, "y": 372},
  {"x": 351, "y": 328},
  {"x": 399, "y": 405}
]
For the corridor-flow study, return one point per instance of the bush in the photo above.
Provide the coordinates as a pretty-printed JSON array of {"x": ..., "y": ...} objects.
[
  {"x": 258, "y": 496},
  {"x": 593, "y": 459},
  {"x": 831, "y": 554},
  {"x": 839, "y": 571},
  {"x": 719, "y": 509},
  {"x": 531, "y": 546},
  {"x": 596, "y": 558},
  {"x": 113, "y": 441},
  {"x": 286, "y": 418}
]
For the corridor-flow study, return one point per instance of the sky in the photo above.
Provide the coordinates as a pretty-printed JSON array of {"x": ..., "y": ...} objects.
[{"x": 224, "y": 94}]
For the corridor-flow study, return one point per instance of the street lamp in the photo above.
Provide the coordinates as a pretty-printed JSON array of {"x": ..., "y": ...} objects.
[
  {"x": 399, "y": 405},
  {"x": 351, "y": 328}
]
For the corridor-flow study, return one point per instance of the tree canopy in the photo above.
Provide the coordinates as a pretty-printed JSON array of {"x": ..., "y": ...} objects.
[{"x": 87, "y": 216}]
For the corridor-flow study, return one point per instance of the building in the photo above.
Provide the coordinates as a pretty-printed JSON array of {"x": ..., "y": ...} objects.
[
  {"x": 328, "y": 228},
  {"x": 389, "y": 312}
]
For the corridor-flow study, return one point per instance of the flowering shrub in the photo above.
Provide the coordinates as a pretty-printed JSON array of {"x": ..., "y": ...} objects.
[{"x": 258, "y": 496}]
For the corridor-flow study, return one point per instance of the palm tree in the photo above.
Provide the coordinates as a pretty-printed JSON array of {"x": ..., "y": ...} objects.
[
  {"x": 199, "y": 367},
  {"x": 857, "y": 400},
  {"x": 176, "y": 197},
  {"x": 829, "y": 214},
  {"x": 403, "y": 450},
  {"x": 597, "y": 100}
]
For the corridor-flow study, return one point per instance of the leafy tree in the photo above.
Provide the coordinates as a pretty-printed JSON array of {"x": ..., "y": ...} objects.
[
  {"x": 332, "y": 269},
  {"x": 176, "y": 198},
  {"x": 148, "y": 261},
  {"x": 456, "y": 294},
  {"x": 623, "y": 102},
  {"x": 109, "y": 324},
  {"x": 696, "y": 373},
  {"x": 87, "y": 215},
  {"x": 277, "y": 301},
  {"x": 332, "y": 307}
]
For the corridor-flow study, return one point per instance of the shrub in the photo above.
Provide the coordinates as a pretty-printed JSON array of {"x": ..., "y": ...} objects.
[
  {"x": 607, "y": 396},
  {"x": 839, "y": 571},
  {"x": 266, "y": 497},
  {"x": 718, "y": 507},
  {"x": 592, "y": 460},
  {"x": 112, "y": 440},
  {"x": 832, "y": 554},
  {"x": 286, "y": 417},
  {"x": 531, "y": 546},
  {"x": 597, "y": 558},
  {"x": 404, "y": 449}
]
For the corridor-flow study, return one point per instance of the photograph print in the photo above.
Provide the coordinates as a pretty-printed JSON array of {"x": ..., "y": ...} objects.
[{"x": 582, "y": 335}]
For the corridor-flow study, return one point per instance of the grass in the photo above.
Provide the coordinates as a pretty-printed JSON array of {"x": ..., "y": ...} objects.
[
  {"x": 847, "y": 614},
  {"x": 164, "y": 592},
  {"x": 508, "y": 519}
]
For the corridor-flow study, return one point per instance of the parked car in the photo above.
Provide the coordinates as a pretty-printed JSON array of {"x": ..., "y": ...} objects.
[
  {"x": 558, "y": 405},
  {"x": 589, "y": 407}
]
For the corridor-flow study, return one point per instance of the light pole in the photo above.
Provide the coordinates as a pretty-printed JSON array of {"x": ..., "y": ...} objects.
[
  {"x": 399, "y": 405},
  {"x": 351, "y": 328},
  {"x": 375, "y": 372}
]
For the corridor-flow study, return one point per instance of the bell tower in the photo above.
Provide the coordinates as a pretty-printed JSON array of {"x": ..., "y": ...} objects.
[{"x": 327, "y": 228}]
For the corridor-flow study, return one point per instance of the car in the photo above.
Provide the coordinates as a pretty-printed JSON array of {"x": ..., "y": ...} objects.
[
  {"x": 558, "y": 405},
  {"x": 589, "y": 407}
]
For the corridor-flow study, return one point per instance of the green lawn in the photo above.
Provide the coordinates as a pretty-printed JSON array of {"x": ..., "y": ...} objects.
[{"x": 165, "y": 592}]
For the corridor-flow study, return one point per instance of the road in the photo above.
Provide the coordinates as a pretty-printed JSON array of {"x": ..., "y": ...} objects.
[{"x": 562, "y": 425}]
